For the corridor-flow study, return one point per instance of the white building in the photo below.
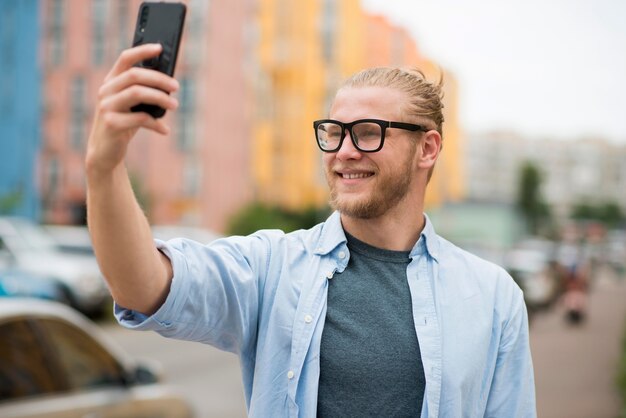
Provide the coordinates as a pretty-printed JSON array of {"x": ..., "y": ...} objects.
[{"x": 589, "y": 169}]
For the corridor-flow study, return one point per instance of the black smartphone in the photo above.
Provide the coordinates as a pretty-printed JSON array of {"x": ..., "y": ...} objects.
[{"x": 159, "y": 22}]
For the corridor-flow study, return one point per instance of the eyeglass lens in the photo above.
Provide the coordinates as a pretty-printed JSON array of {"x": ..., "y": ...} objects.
[{"x": 366, "y": 135}]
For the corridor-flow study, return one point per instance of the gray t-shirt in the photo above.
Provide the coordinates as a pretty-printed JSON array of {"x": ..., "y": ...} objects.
[{"x": 370, "y": 363}]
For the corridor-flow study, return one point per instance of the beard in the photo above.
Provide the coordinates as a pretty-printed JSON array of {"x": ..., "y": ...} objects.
[{"x": 387, "y": 190}]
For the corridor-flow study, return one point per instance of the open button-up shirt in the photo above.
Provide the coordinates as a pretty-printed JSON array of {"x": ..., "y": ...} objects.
[{"x": 263, "y": 297}]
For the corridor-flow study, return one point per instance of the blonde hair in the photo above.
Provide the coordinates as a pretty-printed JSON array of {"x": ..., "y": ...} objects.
[{"x": 426, "y": 97}]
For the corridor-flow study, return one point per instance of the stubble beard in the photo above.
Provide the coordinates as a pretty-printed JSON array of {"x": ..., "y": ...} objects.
[{"x": 387, "y": 191}]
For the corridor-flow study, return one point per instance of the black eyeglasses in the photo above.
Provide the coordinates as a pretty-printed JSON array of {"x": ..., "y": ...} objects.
[{"x": 368, "y": 135}]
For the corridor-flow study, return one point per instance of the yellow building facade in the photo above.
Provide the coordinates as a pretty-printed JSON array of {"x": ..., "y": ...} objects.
[{"x": 305, "y": 50}]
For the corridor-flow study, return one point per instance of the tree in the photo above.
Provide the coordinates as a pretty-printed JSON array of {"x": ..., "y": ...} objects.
[
  {"x": 609, "y": 213},
  {"x": 9, "y": 202},
  {"x": 530, "y": 202}
]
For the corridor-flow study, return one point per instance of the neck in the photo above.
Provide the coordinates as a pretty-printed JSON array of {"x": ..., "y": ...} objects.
[{"x": 398, "y": 229}]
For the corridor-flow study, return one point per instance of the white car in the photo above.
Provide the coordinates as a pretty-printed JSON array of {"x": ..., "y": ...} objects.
[
  {"x": 55, "y": 363},
  {"x": 27, "y": 247}
]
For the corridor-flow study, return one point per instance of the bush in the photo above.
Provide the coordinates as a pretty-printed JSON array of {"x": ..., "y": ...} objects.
[{"x": 260, "y": 216}]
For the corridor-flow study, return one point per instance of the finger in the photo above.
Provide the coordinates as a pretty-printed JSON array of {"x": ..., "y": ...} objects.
[
  {"x": 132, "y": 56},
  {"x": 127, "y": 98},
  {"x": 137, "y": 75},
  {"x": 124, "y": 121}
]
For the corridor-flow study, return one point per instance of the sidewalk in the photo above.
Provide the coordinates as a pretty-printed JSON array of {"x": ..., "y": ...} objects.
[{"x": 575, "y": 367}]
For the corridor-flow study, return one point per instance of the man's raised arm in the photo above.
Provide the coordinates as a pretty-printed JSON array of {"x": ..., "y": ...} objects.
[{"x": 138, "y": 275}]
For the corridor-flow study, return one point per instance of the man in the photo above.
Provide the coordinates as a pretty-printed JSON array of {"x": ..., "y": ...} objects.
[{"x": 368, "y": 314}]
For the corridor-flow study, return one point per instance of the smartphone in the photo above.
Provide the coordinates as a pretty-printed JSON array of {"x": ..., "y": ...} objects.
[{"x": 159, "y": 22}]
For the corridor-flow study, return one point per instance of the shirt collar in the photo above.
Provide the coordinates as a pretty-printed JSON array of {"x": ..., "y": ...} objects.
[
  {"x": 332, "y": 236},
  {"x": 428, "y": 241}
]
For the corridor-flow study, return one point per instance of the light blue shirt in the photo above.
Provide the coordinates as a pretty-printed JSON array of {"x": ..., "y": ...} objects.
[{"x": 263, "y": 297}]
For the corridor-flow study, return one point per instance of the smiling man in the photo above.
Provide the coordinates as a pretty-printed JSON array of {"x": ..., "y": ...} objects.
[{"x": 370, "y": 313}]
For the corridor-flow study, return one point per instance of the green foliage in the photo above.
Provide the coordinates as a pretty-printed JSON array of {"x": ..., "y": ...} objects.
[
  {"x": 609, "y": 213},
  {"x": 141, "y": 194},
  {"x": 529, "y": 199},
  {"x": 10, "y": 201},
  {"x": 260, "y": 216}
]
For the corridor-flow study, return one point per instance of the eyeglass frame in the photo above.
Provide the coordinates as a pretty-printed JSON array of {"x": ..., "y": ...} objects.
[{"x": 384, "y": 124}]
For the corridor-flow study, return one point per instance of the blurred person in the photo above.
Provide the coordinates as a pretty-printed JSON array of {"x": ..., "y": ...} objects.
[
  {"x": 370, "y": 313},
  {"x": 575, "y": 276}
]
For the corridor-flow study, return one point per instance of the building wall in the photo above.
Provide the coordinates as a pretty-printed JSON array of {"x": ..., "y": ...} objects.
[
  {"x": 20, "y": 107},
  {"x": 201, "y": 172},
  {"x": 289, "y": 92},
  {"x": 301, "y": 67}
]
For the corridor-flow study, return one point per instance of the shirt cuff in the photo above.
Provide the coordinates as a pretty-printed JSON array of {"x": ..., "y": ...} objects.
[{"x": 160, "y": 320}]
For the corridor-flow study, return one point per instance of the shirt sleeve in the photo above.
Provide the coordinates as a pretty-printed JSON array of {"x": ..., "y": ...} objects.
[
  {"x": 214, "y": 294},
  {"x": 512, "y": 391}
]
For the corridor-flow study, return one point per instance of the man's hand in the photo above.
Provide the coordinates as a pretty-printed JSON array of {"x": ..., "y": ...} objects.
[{"x": 124, "y": 87}]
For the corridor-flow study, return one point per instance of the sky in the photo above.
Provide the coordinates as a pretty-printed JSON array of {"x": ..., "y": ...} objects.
[{"x": 541, "y": 68}]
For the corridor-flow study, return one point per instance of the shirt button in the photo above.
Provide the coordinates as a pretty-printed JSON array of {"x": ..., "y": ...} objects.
[
  {"x": 308, "y": 319},
  {"x": 342, "y": 254},
  {"x": 290, "y": 374},
  {"x": 330, "y": 275}
]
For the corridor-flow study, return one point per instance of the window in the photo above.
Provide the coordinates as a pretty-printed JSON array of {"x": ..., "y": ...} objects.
[
  {"x": 98, "y": 22},
  {"x": 85, "y": 363},
  {"x": 186, "y": 131},
  {"x": 125, "y": 38},
  {"x": 328, "y": 28},
  {"x": 56, "y": 29},
  {"x": 24, "y": 368},
  {"x": 77, "y": 114},
  {"x": 8, "y": 34},
  {"x": 191, "y": 178}
]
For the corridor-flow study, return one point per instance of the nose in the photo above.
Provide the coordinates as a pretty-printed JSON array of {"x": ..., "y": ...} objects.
[{"x": 348, "y": 151}]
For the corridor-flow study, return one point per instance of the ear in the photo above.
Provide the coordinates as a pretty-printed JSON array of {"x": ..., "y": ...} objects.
[{"x": 430, "y": 147}]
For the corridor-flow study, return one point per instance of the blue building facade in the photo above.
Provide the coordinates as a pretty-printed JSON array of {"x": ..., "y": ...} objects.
[{"x": 20, "y": 107}]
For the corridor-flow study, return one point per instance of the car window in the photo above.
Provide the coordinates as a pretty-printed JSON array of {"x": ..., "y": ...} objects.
[
  {"x": 24, "y": 369},
  {"x": 85, "y": 362}
]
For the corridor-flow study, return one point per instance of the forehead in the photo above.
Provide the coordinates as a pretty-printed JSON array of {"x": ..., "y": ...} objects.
[{"x": 352, "y": 103}]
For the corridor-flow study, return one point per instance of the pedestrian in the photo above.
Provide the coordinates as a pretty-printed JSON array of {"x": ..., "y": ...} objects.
[{"x": 369, "y": 314}]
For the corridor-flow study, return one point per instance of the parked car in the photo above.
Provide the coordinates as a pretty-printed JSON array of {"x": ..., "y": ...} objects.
[
  {"x": 71, "y": 238},
  {"x": 532, "y": 265},
  {"x": 26, "y": 246},
  {"x": 16, "y": 283},
  {"x": 55, "y": 363}
]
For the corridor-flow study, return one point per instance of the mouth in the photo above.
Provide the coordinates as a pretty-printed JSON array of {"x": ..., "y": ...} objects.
[{"x": 351, "y": 176}]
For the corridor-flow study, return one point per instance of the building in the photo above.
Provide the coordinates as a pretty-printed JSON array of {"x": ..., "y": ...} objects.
[
  {"x": 201, "y": 173},
  {"x": 306, "y": 50},
  {"x": 574, "y": 171},
  {"x": 20, "y": 107},
  {"x": 254, "y": 74},
  {"x": 390, "y": 45}
]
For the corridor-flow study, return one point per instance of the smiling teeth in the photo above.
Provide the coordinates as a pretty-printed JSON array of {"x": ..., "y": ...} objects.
[{"x": 356, "y": 176}]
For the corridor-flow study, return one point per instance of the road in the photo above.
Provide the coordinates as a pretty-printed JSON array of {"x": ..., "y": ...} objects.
[{"x": 574, "y": 366}]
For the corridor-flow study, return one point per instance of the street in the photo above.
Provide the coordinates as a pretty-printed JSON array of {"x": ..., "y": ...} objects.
[{"x": 574, "y": 366}]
